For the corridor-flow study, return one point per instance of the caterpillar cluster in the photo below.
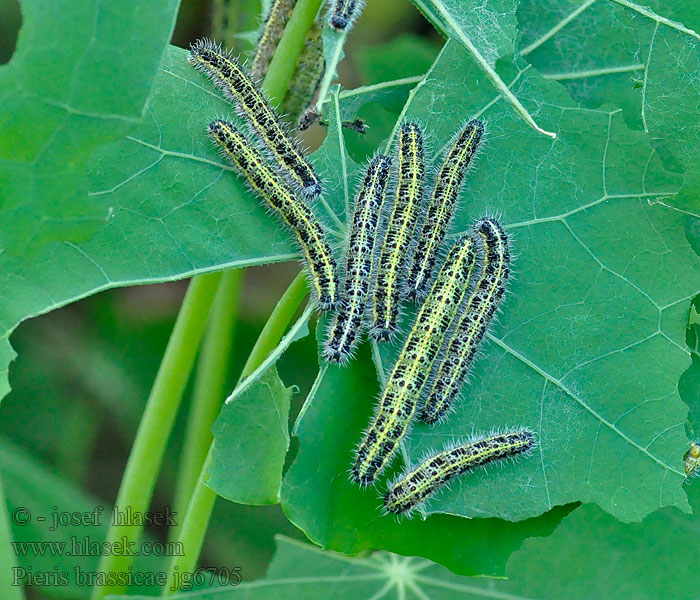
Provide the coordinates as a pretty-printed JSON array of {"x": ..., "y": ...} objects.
[
  {"x": 455, "y": 310},
  {"x": 393, "y": 244}
]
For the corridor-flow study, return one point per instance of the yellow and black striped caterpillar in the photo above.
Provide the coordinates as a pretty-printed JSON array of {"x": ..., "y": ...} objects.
[
  {"x": 346, "y": 328},
  {"x": 391, "y": 267},
  {"x": 237, "y": 86},
  {"x": 473, "y": 322},
  {"x": 408, "y": 377},
  {"x": 418, "y": 484},
  {"x": 279, "y": 196},
  {"x": 441, "y": 207}
]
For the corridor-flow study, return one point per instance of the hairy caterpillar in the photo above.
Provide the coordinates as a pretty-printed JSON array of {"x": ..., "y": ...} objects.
[
  {"x": 347, "y": 325},
  {"x": 691, "y": 460},
  {"x": 397, "y": 405},
  {"x": 416, "y": 485},
  {"x": 441, "y": 206},
  {"x": 345, "y": 13},
  {"x": 281, "y": 199},
  {"x": 400, "y": 230},
  {"x": 307, "y": 77},
  {"x": 237, "y": 86},
  {"x": 473, "y": 322},
  {"x": 272, "y": 31}
]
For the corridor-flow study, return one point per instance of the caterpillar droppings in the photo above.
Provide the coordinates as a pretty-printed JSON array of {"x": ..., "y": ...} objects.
[
  {"x": 345, "y": 13},
  {"x": 275, "y": 22},
  {"x": 418, "y": 484},
  {"x": 399, "y": 233},
  {"x": 441, "y": 206},
  {"x": 691, "y": 460},
  {"x": 280, "y": 197},
  {"x": 473, "y": 322},
  {"x": 407, "y": 379},
  {"x": 346, "y": 328},
  {"x": 237, "y": 86}
]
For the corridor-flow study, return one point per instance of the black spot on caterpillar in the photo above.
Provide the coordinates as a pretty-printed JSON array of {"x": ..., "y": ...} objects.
[{"x": 345, "y": 13}]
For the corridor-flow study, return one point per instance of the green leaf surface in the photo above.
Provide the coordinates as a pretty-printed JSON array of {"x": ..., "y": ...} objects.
[
  {"x": 78, "y": 79},
  {"x": 590, "y": 344},
  {"x": 318, "y": 496},
  {"x": 644, "y": 59},
  {"x": 590, "y": 555},
  {"x": 251, "y": 440},
  {"x": 302, "y": 571}
]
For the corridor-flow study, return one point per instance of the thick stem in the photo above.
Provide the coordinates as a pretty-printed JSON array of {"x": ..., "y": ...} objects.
[
  {"x": 156, "y": 423},
  {"x": 193, "y": 527},
  {"x": 287, "y": 54},
  {"x": 209, "y": 388},
  {"x": 8, "y": 564}
]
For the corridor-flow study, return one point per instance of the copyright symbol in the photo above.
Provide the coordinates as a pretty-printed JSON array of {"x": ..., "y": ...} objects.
[{"x": 21, "y": 516}]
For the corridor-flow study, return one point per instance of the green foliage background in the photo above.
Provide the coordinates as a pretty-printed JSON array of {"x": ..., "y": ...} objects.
[{"x": 107, "y": 179}]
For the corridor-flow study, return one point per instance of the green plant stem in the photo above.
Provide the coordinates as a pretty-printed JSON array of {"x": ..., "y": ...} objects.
[
  {"x": 287, "y": 54},
  {"x": 156, "y": 423},
  {"x": 7, "y": 556},
  {"x": 194, "y": 526},
  {"x": 209, "y": 388}
]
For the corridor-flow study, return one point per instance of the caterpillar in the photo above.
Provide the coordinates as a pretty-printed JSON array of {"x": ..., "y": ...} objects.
[
  {"x": 399, "y": 234},
  {"x": 280, "y": 198},
  {"x": 345, "y": 13},
  {"x": 238, "y": 87},
  {"x": 307, "y": 77},
  {"x": 473, "y": 322},
  {"x": 691, "y": 460},
  {"x": 415, "y": 486},
  {"x": 404, "y": 386},
  {"x": 441, "y": 206},
  {"x": 347, "y": 325},
  {"x": 272, "y": 31}
]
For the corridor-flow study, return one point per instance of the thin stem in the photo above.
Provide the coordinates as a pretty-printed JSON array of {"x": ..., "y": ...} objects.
[
  {"x": 146, "y": 455},
  {"x": 209, "y": 387},
  {"x": 287, "y": 54},
  {"x": 193, "y": 527},
  {"x": 8, "y": 564}
]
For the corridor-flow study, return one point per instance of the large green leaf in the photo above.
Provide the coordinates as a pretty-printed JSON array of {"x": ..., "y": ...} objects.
[
  {"x": 590, "y": 346},
  {"x": 591, "y": 555},
  {"x": 302, "y": 571},
  {"x": 588, "y": 351},
  {"x": 643, "y": 59},
  {"x": 78, "y": 79}
]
